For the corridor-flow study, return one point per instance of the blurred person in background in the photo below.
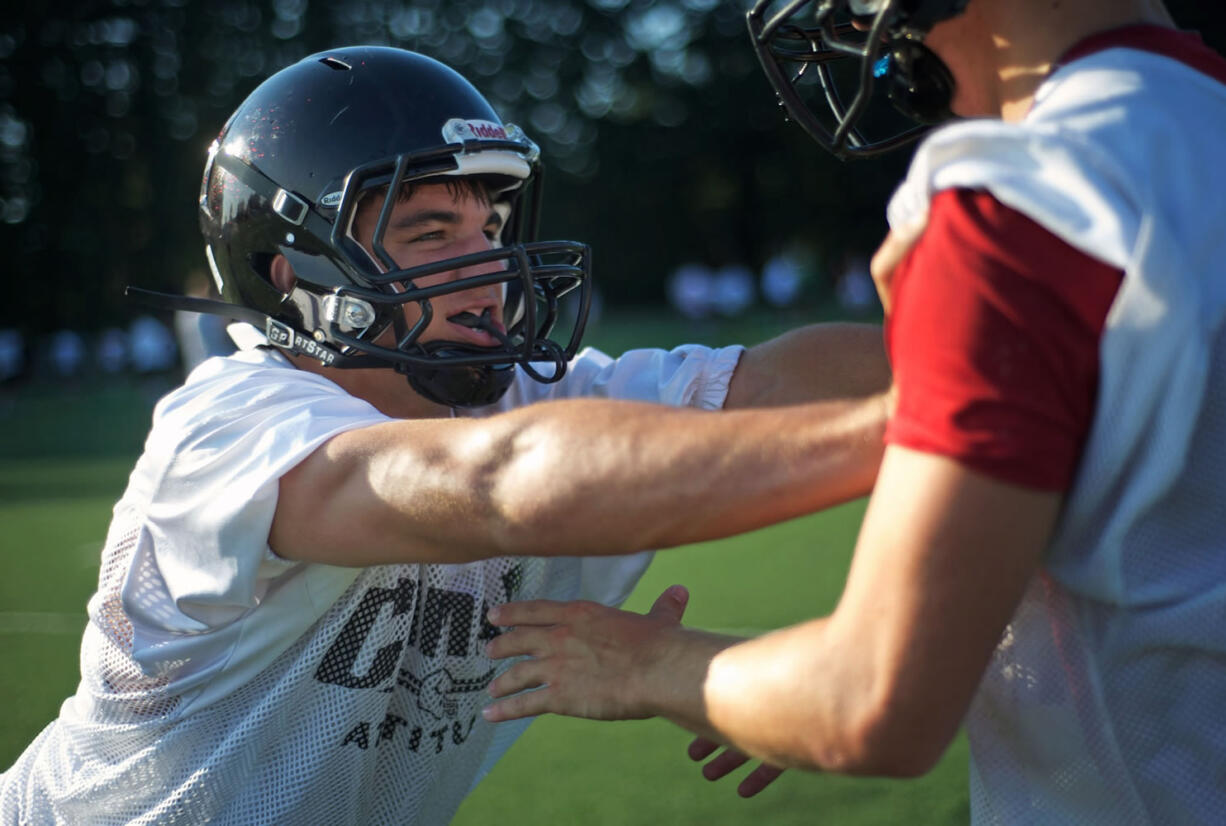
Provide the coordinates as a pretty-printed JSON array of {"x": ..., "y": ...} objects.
[
  {"x": 12, "y": 354},
  {"x": 1043, "y": 557},
  {"x": 151, "y": 347},
  {"x": 290, "y": 619},
  {"x": 66, "y": 352},
  {"x": 691, "y": 290},
  {"x": 732, "y": 290},
  {"x": 112, "y": 352},
  {"x": 782, "y": 279}
]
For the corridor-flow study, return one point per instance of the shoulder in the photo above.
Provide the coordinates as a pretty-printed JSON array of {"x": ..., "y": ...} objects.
[
  {"x": 1112, "y": 137},
  {"x": 250, "y": 379},
  {"x": 1002, "y": 255},
  {"x": 252, "y": 397},
  {"x": 1067, "y": 184}
]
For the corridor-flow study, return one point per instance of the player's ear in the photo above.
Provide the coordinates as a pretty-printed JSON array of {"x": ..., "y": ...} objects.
[{"x": 281, "y": 273}]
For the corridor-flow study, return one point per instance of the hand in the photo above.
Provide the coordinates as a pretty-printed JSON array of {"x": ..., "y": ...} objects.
[
  {"x": 729, "y": 760},
  {"x": 586, "y": 660},
  {"x": 898, "y": 242}
]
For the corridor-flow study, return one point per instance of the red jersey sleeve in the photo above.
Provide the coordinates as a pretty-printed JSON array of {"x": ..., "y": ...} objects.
[{"x": 993, "y": 338}]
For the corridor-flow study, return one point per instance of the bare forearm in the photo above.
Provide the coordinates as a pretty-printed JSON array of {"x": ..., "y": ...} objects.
[
  {"x": 881, "y": 685},
  {"x": 654, "y": 477},
  {"x": 822, "y": 361},
  {"x": 792, "y": 698}
]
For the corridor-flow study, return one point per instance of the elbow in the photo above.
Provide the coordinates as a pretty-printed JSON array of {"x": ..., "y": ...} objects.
[
  {"x": 899, "y": 753},
  {"x": 886, "y": 738}
]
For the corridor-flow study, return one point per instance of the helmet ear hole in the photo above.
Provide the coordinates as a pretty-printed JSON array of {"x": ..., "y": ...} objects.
[
  {"x": 261, "y": 265},
  {"x": 281, "y": 273}
]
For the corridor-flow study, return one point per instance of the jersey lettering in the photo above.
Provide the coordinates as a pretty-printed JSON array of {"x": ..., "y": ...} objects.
[
  {"x": 338, "y": 664},
  {"x": 371, "y": 653},
  {"x": 456, "y": 733},
  {"x": 442, "y": 609},
  {"x": 453, "y": 609}
]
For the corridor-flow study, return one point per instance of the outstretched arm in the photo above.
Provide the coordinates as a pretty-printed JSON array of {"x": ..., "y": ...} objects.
[
  {"x": 576, "y": 476},
  {"x": 821, "y": 361},
  {"x": 878, "y": 687}
]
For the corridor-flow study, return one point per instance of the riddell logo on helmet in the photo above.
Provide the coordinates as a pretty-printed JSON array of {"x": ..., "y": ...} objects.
[{"x": 458, "y": 130}]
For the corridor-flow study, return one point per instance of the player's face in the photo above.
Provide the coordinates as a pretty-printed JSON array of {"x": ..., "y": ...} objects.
[{"x": 432, "y": 225}]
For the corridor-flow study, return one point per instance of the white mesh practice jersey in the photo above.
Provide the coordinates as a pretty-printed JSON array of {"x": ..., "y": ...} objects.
[
  {"x": 1105, "y": 701},
  {"x": 222, "y": 684}
]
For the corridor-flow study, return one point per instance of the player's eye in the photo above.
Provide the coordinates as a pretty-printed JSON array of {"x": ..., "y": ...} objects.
[{"x": 432, "y": 235}]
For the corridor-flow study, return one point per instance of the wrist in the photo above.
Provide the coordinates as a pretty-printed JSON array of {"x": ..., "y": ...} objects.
[{"x": 670, "y": 681}]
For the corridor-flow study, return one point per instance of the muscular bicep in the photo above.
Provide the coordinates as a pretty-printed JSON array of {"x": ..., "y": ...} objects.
[
  {"x": 405, "y": 491},
  {"x": 943, "y": 559}
]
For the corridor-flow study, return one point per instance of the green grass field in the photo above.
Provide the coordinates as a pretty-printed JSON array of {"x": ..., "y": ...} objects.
[{"x": 64, "y": 459}]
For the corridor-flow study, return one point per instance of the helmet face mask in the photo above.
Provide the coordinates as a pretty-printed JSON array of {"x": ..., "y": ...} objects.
[
  {"x": 318, "y": 141},
  {"x": 855, "y": 74}
]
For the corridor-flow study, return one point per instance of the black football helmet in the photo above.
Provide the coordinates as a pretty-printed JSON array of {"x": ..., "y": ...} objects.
[
  {"x": 286, "y": 174},
  {"x": 798, "y": 39}
]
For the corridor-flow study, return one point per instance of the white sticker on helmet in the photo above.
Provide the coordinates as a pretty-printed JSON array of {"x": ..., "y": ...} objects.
[{"x": 458, "y": 130}]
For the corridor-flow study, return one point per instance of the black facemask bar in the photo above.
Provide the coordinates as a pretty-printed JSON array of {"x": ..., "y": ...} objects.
[
  {"x": 788, "y": 51},
  {"x": 540, "y": 272}
]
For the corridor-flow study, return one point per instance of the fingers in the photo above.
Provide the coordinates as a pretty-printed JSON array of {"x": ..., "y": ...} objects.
[
  {"x": 518, "y": 642},
  {"x": 758, "y": 779},
  {"x": 531, "y": 704},
  {"x": 522, "y": 675},
  {"x": 671, "y": 604},
  {"x": 578, "y": 655},
  {"x": 701, "y": 748},
  {"x": 528, "y": 612},
  {"x": 727, "y": 761}
]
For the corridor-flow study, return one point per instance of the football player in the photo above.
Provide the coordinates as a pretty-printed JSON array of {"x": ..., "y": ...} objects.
[
  {"x": 290, "y": 620},
  {"x": 1044, "y": 553}
]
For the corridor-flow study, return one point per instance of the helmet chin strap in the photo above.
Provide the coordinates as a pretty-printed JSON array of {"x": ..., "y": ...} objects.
[
  {"x": 463, "y": 385},
  {"x": 476, "y": 385},
  {"x": 460, "y": 386}
]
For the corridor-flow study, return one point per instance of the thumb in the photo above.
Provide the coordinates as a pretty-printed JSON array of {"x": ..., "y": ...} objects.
[{"x": 670, "y": 605}]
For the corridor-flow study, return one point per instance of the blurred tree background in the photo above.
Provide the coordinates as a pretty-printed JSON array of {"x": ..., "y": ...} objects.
[{"x": 661, "y": 136}]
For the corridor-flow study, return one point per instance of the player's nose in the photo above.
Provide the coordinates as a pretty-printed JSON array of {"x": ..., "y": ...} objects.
[{"x": 478, "y": 243}]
